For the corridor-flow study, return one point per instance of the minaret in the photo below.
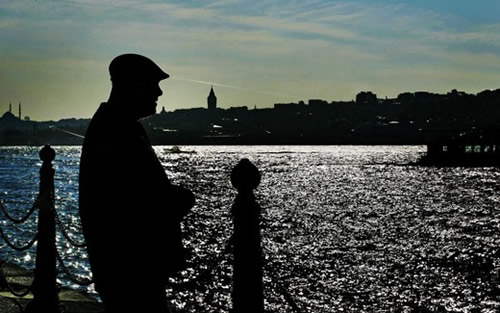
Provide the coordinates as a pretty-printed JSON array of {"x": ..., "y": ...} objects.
[
  {"x": 10, "y": 107},
  {"x": 212, "y": 100},
  {"x": 19, "y": 110}
]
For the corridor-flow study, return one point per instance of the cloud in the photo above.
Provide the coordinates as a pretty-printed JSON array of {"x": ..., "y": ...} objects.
[{"x": 331, "y": 48}]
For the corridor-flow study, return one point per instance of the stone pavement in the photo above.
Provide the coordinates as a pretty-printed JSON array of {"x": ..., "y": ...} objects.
[{"x": 19, "y": 278}]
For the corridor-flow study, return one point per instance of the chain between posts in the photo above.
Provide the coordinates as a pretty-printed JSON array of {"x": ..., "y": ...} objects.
[
  {"x": 72, "y": 277},
  {"x": 65, "y": 233},
  {"x": 43, "y": 286},
  {"x": 17, "y": 248},
  {"x": 22, "y": 220},
  {"x": 5, "y": 283}
]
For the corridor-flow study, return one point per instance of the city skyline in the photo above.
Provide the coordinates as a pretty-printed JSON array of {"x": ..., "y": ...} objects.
[{"x": 55, "y": 54}]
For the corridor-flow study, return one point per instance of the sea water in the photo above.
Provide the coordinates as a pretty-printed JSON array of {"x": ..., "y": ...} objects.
[{"x": 344, "y": 228}]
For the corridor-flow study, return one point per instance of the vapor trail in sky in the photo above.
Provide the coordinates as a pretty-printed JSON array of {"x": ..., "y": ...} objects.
[{"x": 234, "y": 87}]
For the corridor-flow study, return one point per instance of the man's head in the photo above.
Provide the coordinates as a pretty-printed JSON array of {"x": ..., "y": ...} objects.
[{"x": 135, "y": 81}]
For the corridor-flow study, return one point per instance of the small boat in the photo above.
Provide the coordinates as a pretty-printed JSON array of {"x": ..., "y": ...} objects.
[{"x": 177, "y": 149}]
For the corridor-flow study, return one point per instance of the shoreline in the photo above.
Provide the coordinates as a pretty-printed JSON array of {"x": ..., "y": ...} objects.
[{"x": 19, "y": 278}]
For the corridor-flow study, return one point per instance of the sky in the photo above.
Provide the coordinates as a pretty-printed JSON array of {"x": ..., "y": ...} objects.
[{"x": 54, "y": 54}]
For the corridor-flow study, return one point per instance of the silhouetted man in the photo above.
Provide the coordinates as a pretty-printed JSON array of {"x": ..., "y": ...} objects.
[{"x": 130, "y": 211}]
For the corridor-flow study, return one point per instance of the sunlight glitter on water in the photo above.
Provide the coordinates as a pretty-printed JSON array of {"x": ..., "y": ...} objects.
[{"x": 344, "y": 227}]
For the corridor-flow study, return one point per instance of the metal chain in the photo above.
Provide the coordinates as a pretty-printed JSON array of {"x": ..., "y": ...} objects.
[
  {"x": 22, "y": 220},
  {"x": 4, "y": 282},
  {"x": 3, "y": 279},
  {"x": 62, "y": 227},
  {"x": 13, "y": 246},
  {"x": 73, "y": 278}
]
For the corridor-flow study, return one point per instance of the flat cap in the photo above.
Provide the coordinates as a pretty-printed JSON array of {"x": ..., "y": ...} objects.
[{"x": 135, "y": 68}]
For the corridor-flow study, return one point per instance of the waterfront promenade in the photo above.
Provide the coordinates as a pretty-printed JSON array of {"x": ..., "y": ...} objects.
[{"x": 21, "y": 278}]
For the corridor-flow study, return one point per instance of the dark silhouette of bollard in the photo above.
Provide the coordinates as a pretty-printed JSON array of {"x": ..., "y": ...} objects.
[
  {"x": 247, "y": 295},
  {"x": 44, "y": 288}
]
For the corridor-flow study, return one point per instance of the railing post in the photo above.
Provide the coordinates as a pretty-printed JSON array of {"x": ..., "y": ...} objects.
[
  {"x": 44, "y": 288},
  {"x": 247, "y": 294}
]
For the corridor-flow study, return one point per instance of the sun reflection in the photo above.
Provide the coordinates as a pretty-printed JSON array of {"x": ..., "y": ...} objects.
[{"x": 344, "y": 228}]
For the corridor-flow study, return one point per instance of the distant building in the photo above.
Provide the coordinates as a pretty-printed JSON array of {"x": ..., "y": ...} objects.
[
  {"x": 455, "y": 94},
  {"x": 237, "y": 110},
  {"x": 212, "y": 100},
  {"x": 406, "y": 98},
  {"x": 9, "y": 116},
  {"x": 426, "y": 98},
  {"x": 318, "y": 104},
  {"x": 9, "y": 120},
  {"x": 366, "y": 98},
  {"x": 290, "y": 106}
]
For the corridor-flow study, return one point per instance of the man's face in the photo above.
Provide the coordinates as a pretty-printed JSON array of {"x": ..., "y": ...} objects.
[{"x": 144, "y": 97}]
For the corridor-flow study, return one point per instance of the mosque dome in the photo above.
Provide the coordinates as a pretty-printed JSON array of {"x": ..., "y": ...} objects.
[{"x": 9, "y": 116}]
